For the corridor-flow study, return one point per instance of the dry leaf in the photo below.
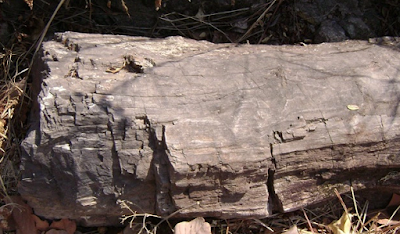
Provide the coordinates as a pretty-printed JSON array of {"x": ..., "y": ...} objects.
[
  {"x": 41, "y": 225},
  {"x": 395, "y": 201},
  {"x": 196, "y": 226},
  {"x": 54, "y": 231},
  {"x": 353, "y": 107},
  {"x": 64, "y": 224},
  {"x": 292, "y": 230},
  {"x": 114, "y": 70},
  {"x": 30, "y": 3},
  {"x": 23, "y": 217},
  {"x": 157, "y": 3},
  {"x": 343, "y": 225}
]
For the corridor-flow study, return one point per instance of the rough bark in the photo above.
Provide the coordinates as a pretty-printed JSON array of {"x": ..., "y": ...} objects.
[{"x": 205, "y": 129}]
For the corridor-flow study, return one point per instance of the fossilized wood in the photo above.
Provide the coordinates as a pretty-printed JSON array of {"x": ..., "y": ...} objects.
[{"x": 245, "y": 131}]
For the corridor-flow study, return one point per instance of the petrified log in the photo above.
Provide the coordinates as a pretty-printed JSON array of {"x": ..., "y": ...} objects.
[{"x": 206, "y": 130}]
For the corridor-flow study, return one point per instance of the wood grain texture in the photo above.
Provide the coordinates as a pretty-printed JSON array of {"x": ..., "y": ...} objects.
[{"x": 246, "y": 131}]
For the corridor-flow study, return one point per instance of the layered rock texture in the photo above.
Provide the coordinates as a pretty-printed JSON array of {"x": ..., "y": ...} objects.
[{"x": 201, "y": 129}]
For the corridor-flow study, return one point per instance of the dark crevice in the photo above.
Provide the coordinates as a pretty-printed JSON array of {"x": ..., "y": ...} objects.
[
  {"x": 164, "y": 204},
  {"x": 316, "y": 120},
  {"x": 273, "y": 160},
  {"x": 273, "y": 200},
  {"x": 278, "y": 135},
  {"x": 116, "y": 167},
  {"x": 125, "y": 126}
]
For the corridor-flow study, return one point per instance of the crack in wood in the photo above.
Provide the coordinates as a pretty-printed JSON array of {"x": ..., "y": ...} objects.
[
  {"x": 164, "y": 204},
  {"x": 273, "y": 200}
]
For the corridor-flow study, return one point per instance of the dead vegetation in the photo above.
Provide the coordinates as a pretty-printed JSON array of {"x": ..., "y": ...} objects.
[{"x": 334, "y": 217}]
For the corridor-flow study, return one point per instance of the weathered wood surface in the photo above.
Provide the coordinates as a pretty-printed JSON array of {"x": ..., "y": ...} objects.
[{"x": 246, "y": 131}]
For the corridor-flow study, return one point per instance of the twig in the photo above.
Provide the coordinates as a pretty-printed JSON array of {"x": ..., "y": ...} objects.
[
  {"x": 394, "y": 213},
  {"x": 203, "y": 22},
  {"x": 256, "y": 23},
  {"x": 341, "y": 201},
  {"x": 308, "y": 221},
  {"x": 269, "y": 22},
  {"x": 263, "y": 224}
]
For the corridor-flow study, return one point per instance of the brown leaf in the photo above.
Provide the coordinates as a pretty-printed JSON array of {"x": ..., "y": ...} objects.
[
  {"x": 395, "y": 201},
  {"x": 41, "y": 225},
  {"x": 23, "y": 217},
  {"x": 55, "y": 231},
  {"x": 64, "y": 224},
  {"x": 197, "y": 225}
]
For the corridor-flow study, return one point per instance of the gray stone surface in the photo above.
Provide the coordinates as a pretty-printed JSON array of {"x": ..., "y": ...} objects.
[
  {"x": 330, "y": 31},
  {"x": 204, "y": 129},
  {"x": 338, "y": 20}
]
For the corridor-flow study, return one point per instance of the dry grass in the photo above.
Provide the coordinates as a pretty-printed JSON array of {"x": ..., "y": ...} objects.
[
  {"x": 16, "y": 63},
  {"x": 13, "y": 84},
  {"x": 335, "y": 217},
  {"x": 12, "y": 91},
  {"x": 225, "y": 26},
  {"x": 14, "y": 68}
]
